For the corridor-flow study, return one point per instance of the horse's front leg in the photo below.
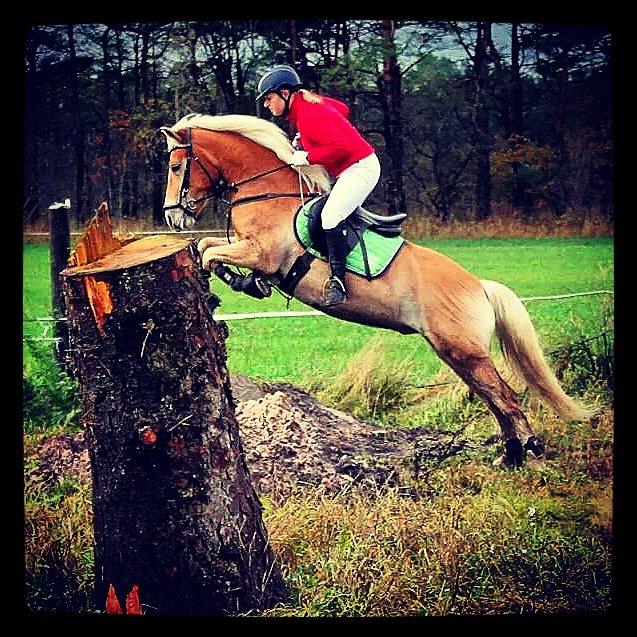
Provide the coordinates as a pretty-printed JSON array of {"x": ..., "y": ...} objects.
[
  {"x": 215, "y": 253},
  {"x": 245, "y": 253},
  {"x": 210, "y": 242}
]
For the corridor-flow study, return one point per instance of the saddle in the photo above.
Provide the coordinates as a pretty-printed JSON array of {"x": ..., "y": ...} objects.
[
  {"x": 373, "y": 241},
  {"x": 356, "y": 224}
]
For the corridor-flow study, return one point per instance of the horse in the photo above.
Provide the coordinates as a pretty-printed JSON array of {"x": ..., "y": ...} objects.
[{"x": 422, "y": 291}]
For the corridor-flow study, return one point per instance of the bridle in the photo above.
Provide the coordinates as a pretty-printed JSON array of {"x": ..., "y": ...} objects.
[
  {"x": 215, "y": 189},
  {"x": 218, "y": 188}
]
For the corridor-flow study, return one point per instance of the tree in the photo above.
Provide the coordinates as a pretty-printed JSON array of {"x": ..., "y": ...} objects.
[
  {"x": 389, "y": 83},
  {"x": 106, "y": 109},
  {"x": 551, "y": 96},
  {"x": 563, "y": 53},
  {"x": 478, "y": 57},
  {"x": 79, "y": 131},
  {"x": 481, "y": 119},
  {"x": 516, "y": 112},
  {"x": 439, "y": 127},
  {"x": 32, "y": 177}
]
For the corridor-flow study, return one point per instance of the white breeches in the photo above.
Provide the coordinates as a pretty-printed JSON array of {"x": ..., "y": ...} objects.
[{"x": 350, "y": 190}]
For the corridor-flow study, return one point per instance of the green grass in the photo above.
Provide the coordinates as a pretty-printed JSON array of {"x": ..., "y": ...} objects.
[
  {"x": 477, "y": 541},
  {"x": 300, "y": 350}
]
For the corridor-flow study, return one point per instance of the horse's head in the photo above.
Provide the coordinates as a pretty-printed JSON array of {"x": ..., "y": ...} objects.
[{"x": 190, "y": 183}]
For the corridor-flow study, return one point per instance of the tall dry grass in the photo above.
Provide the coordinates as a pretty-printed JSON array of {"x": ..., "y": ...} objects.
[
  {"x": 471, "y": 539},
  {"x": 371, "y": 384},
  {"x": 483, "y": 542},
  {"x": 504, "y": 223}
]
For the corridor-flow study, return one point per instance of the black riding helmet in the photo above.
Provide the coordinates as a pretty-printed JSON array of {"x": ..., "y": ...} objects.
[{"x": 276, "y": 79}]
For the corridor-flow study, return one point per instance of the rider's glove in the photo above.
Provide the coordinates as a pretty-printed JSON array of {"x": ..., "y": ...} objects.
[{"x": 299, "y": 158}]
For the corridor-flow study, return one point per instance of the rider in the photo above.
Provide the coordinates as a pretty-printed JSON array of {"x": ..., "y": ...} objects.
[{"x": 326, "y": 137}]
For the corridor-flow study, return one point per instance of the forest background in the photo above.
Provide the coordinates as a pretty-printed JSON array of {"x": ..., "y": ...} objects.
[{"x": 470, "y": 119}]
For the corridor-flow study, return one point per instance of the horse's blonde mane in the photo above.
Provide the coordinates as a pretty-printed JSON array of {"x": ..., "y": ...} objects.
[{"x": 262, "y": 132}]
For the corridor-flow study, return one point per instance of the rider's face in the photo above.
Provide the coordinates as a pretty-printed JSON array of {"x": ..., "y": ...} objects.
[{"x": 274, "y": 103}]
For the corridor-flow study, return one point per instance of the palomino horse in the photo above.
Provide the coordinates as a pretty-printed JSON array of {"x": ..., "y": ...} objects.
[{"x": 422, "y": 291}]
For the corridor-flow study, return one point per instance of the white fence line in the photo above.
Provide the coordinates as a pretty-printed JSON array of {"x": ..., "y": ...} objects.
[
  {"x": 292, "y": 314},
  {"x": 564, "y": 296},
  {"x": 181, "y": 232}
]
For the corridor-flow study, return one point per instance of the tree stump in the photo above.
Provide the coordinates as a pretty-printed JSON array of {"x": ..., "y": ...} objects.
[{"x": 177, "y": 521}]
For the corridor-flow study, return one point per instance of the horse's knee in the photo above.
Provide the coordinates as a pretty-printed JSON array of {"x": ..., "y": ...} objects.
[{"x": 209, "y": 242}]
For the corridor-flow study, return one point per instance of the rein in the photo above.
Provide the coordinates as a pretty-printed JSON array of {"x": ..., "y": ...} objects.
[
  {"x": 218, "y": 188},
  {"x": 253, "y": 198}
]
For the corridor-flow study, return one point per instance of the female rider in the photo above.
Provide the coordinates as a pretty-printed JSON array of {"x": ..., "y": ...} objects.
[{"x": 325, "y": 136}]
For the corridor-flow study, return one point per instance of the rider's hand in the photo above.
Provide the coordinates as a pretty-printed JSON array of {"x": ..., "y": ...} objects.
[{"x": 299, "y": 158}]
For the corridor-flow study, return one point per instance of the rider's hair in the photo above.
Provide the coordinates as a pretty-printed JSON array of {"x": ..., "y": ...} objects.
[{"x": 309, "y": 96}]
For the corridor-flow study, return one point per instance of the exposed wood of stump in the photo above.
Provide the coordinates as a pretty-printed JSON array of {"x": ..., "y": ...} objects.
[{"x": 175, "y": 513}]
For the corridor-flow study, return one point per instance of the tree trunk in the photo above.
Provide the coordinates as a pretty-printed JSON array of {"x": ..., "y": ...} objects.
[
  {"x": 143, "y": 66},
  {"x": 79, "y": 132},
  {"x": 106, "y": 142},
  {"x": 32, "y": 135},
  {"x": 294, "y": 44},
  {"x": 481, "y": 119},
  {"x": 136, "y": 71},
  {"x": 244, "y": 103},
  {"x": 134, "y": 199},
  {"x": 121, "y": 95},
  {"x": 560, "y": 190},
  {"x": 517, "y": 126},
  {"x": 176, "y": 519},
  {"x": 390, "y": 89}
]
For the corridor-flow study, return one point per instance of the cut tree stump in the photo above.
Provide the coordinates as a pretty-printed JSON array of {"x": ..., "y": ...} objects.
[{"x": 175, "y": 513}]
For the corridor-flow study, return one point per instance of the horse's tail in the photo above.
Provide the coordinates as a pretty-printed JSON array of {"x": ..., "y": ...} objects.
[{"x": 523, "y": 352}]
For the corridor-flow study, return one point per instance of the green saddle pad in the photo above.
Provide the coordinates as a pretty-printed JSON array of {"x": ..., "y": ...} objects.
[{"x": 381, "y": 250}]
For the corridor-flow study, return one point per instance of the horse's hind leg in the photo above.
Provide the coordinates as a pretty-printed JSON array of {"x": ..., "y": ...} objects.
[{"x": 477, "y": 370}]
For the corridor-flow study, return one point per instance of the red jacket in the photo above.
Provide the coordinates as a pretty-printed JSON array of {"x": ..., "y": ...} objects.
[{"x": 329, "y": 138}]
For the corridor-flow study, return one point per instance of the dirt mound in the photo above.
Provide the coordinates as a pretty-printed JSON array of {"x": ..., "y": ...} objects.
[
  {"x": 61, "y": 457},
  {"x": 290, "y": 439}
]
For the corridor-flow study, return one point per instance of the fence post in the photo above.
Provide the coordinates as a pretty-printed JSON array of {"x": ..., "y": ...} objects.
[{"x": 60, "y": 237}]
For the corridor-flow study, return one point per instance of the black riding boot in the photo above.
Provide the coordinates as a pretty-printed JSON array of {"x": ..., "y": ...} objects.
[{"x": 334, "y": 288}]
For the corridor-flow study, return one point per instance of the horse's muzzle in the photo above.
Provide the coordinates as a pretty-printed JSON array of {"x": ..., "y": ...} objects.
[{"x": 177, "y": 219}]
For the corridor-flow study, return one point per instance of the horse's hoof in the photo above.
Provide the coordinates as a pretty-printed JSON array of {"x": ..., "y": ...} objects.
[
  {"x": 535, "y": 446},
  {"x": 513, "y": 455}
]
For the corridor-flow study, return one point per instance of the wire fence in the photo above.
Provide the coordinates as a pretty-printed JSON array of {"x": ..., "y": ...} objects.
[
  {"x": 48, "y": 321},
  {"x": 135, "y": 232}
]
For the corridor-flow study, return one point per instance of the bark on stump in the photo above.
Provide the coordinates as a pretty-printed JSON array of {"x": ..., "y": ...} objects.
[{"x": 175, "y": 512}]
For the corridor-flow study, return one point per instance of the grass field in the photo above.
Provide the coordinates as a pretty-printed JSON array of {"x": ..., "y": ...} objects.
[
  {"x": 299, "y": 350},
  {"x": 477, "y": 541}
]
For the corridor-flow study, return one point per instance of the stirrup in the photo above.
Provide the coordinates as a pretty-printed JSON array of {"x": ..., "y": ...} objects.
[{"x": 335, "y": 285}]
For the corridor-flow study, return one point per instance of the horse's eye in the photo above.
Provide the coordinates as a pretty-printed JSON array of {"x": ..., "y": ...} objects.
[{"x": 175, "y": 167}]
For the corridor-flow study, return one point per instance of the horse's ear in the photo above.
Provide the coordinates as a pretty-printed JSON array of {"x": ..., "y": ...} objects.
[{"x": 170, "y": 134}]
